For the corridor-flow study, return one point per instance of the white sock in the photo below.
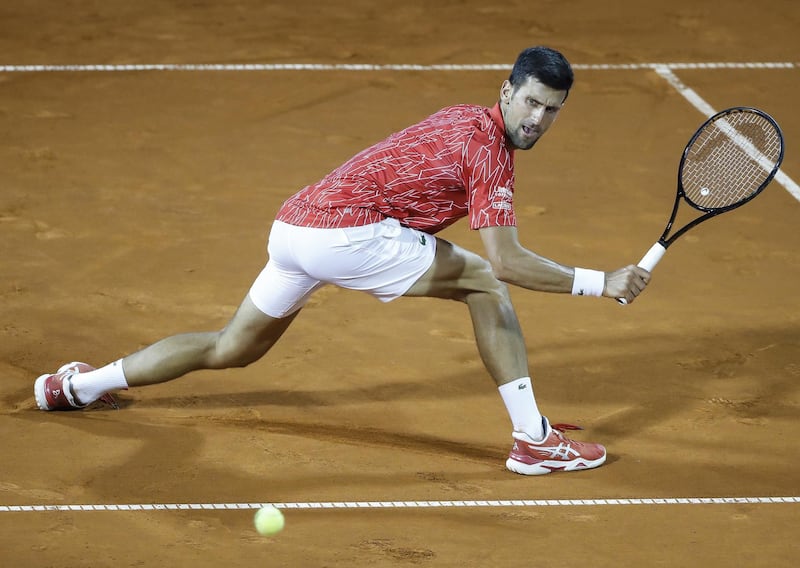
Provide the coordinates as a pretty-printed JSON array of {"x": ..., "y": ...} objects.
[
  {"x": 88, "y": 387},
  {"x": 521, "y": 405}
]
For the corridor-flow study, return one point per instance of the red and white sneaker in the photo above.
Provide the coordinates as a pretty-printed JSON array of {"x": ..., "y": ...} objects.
[
  {"x": 555, "y": 453},
  {"x": 53, "y": 392}
]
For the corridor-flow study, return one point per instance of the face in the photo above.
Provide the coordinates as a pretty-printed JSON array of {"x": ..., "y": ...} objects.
[{"x": 529, "y": 111}]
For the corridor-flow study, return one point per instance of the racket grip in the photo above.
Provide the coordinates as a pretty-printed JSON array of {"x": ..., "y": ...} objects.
[
  {"x": 652, "y": 257},
  {"x": 648, "y": 262}
]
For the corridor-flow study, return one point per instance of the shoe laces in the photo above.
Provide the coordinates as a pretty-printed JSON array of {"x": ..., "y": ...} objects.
[{"x": 109, "y": 400}]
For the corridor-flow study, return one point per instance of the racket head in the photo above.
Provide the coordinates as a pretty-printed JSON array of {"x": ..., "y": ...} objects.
[{"x": 730, "y": 159}]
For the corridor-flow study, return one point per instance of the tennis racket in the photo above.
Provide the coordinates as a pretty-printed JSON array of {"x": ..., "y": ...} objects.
[{"x": 730, "y": 159}]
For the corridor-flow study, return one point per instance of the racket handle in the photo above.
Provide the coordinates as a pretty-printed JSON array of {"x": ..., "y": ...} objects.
[
  {"x": 652, "y": 257},
  {"x": 648, "y": 262}
]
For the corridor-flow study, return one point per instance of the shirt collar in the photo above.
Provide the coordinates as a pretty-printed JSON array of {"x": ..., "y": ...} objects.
[{"x": 497, "y": 116}]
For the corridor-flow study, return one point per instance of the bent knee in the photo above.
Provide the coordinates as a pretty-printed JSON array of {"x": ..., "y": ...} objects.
[
  {"x": 497, "y": 290},
  {"x": 228, "y": 353},
  {"x": 456, "y": 274},
  {"x": 232, "y": 359},
  {"x": 483, "y": 280}
]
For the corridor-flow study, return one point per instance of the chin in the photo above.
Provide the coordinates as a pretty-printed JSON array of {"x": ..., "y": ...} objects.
[
  {"x": 526, "y": 145},
  {"x": 521, "y": 142}
]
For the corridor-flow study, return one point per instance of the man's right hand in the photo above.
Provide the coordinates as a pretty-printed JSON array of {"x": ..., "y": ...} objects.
[{"x": 626, "y": 283}]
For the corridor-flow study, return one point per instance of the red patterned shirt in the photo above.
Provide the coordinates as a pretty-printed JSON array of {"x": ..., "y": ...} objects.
[{"x": 454, "y": 163}]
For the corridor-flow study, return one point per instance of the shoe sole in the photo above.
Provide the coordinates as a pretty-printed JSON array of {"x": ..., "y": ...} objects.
[
  {"x": 545, "y": 467},
  {"x": 38, "y": 393}
]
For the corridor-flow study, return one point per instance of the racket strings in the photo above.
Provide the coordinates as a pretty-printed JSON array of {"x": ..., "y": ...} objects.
[{"x": 730, "y": 160}]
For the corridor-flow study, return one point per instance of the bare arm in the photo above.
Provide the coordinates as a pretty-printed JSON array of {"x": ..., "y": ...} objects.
[{"x": 514, "y": 264}]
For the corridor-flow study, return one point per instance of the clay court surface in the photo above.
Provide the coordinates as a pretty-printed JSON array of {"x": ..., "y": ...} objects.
[{"x": 136, "y": 204}]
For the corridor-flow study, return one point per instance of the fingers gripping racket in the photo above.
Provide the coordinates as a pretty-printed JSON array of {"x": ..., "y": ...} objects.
[{"x": 730, "y": 159}]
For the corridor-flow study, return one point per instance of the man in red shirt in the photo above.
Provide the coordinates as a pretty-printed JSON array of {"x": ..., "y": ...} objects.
[{"x": 369, "y": 226}]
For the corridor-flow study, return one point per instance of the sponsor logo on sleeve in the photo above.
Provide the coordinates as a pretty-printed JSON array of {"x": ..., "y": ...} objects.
[{"x": 502, "y": 198}]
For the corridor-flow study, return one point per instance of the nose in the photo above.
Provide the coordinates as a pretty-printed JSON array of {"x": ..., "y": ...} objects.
[{"x": 537, "y": 114}]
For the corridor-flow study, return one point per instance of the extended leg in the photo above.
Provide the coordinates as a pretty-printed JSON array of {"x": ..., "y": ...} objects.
[{"x": 246, "y": 338}]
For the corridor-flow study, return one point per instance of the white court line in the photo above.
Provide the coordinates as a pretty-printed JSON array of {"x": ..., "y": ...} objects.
[
  {"x": 372, "y": 67},
  {"x": 405, "y": 504},
  {"x": 697, "y": 101}
]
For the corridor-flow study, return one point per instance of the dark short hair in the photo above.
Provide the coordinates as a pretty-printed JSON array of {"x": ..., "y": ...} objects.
[{"x": 544, "y": 64}]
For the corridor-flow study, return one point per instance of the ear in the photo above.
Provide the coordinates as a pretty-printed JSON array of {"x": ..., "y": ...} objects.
[{"x": 506, "y": 89}]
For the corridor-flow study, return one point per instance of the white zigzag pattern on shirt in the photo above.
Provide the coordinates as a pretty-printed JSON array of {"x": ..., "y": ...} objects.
[{"x": 453, "y": 164}]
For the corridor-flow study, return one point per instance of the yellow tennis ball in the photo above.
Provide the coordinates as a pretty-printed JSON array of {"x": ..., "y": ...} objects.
[{"x": 269, "y": 520}]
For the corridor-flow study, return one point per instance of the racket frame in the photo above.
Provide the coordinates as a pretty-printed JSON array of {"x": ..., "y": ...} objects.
[
  {"x": 710, "y": 212},
  {"x": 654, "y": 254}
]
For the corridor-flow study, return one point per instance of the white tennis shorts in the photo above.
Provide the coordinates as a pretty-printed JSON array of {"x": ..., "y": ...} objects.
[{"x": 383, "y": 259}]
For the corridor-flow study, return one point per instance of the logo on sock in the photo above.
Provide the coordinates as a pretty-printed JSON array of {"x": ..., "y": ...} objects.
[{"x": 522, "y": 386}]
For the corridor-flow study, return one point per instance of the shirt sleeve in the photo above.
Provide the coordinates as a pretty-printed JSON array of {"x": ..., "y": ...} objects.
[{"x": 489, "y": 181}]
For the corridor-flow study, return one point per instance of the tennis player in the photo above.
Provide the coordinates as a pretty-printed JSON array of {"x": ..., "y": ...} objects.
[{"x": 369, "y": 225}]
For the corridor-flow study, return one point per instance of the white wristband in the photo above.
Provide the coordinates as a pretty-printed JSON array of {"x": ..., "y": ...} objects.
[{"x": 588, "y": 282}]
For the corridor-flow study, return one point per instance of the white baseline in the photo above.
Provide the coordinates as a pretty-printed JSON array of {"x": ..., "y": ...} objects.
[{"x": 405, "y": 504}]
